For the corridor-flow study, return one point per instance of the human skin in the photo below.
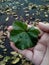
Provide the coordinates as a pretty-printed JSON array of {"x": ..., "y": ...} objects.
[{"x": 39, "y": 55}]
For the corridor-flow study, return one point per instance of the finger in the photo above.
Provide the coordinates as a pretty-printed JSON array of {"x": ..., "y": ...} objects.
[
  {"x": 41, "y": 33},
  {"x": 39, "y": 52},
  {"x": 27, "y": 53},
  {"x": 31, "y": 49},
  {"x": 9, "y": 28},
  {"x": 44, "y": 39},
  {"x": 44, "y": 27},
  {"x": 46, "y": 58},
  {"x": 14, "y": 47}
]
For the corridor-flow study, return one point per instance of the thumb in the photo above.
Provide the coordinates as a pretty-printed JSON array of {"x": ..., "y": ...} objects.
[
  {"x": 27, "y": 53},
  {"x": 44, "y": 27}
]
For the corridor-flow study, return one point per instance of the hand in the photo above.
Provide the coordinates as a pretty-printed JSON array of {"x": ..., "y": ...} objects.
[{"x": 39, "y": 55}]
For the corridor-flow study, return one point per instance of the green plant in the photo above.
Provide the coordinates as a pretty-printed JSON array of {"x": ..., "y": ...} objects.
[{"x": 23, "y": 36}]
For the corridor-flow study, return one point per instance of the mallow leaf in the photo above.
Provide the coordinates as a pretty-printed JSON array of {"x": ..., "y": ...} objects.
[
  {"x": 22, "y": 42},
  {"x": 22, "y": 36},
  {"x": 19, "y": 25}
]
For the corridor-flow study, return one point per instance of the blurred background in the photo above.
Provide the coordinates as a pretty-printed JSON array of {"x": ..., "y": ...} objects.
[{"x": 28, "y": 11}]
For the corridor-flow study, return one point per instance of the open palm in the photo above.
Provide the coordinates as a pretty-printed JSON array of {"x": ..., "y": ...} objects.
[{"x": 39, "y": 55}]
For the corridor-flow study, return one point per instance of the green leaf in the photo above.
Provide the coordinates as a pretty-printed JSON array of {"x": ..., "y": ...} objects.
[
  {"x": 22, "y": 36},
  {"x": 23, "y": 41},
  {"x": 34, "y": 30},
  {"x": 18, "y": 25},
  {"x": 33, "y": 34}
]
